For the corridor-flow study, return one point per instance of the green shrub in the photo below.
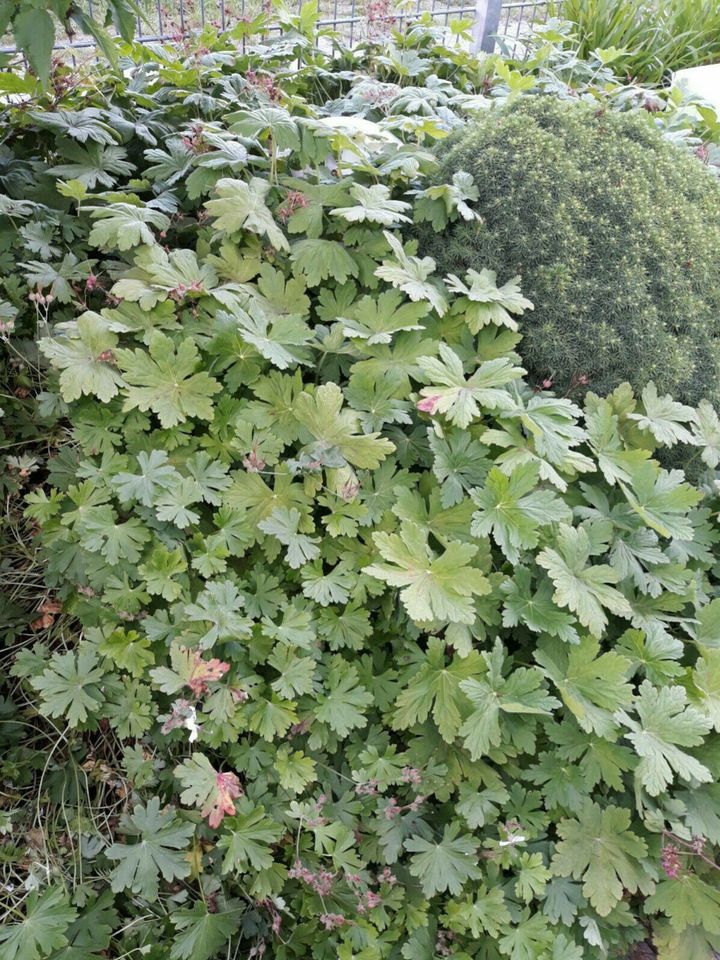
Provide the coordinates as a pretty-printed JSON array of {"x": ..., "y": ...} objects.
[
  {"x": 616, "y": 234},
  {"x": 367, "y": 650}
]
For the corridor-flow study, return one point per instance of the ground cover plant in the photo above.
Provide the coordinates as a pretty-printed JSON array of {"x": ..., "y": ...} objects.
[
  {"x": 615, "y": 232},
  {"x": 355, "y": 644}
]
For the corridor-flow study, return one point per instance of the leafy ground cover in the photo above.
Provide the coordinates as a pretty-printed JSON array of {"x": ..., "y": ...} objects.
[{"x": 354, "y": 644}]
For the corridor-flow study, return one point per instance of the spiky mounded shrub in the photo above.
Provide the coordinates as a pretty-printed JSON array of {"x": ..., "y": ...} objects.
[{"x": 616, "y": 234}]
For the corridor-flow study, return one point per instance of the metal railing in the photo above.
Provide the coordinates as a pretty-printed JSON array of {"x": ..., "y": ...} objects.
[{"x": 171, "y": 20}]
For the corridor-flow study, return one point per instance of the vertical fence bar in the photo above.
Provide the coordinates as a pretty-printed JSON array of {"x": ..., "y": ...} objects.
[{"x": 487, "y": 21}]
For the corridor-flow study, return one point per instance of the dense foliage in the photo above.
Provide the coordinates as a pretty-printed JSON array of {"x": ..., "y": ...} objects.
[
  {"x": 616, "y": 235},
  {"x": 653, "y": 39},
  {"x": 37, "y": 25},
  {"x": 355, "y": 644}
]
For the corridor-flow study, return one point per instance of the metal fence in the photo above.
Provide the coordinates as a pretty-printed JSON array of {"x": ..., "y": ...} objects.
[
  {"x": 510, "y": 19},
  {"x": 168, "y": 20}
]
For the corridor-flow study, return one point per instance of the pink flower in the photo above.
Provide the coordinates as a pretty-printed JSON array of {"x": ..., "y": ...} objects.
[
  {"x": 350, "y": 490},
  {"x": 373, "y": 899},
  {"x": 253, "y": 463},
  {"x": 368, "y": 789},
  {"x": 321, "y": 882},
  {"x": 410, "y": 775},
  {"x": 332, "y": 920},
  {"x": 429, "y": 404},
  {"x": 670, "y": 860}
]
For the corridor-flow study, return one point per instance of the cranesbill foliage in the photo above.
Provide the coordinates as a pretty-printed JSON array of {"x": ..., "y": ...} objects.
[{"x": 375, "y": 651}]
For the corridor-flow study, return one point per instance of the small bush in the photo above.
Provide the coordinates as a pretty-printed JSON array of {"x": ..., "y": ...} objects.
[{"x": 616, "y": 234}]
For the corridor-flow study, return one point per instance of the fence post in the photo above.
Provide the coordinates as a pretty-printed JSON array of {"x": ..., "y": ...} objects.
[{"x": 487, "y": 23}]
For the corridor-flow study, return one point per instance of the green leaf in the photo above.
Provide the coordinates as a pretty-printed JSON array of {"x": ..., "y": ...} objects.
[
  {"x": 70, "y": 686},
  {"x": 95, "y": 164},
  {"x": 103, "y": 533},
  {"x": 535, "y": 610},
  {"x": 374, "y": 206},
  {"x": 436, "y": 687},
  {"x": 202, "y": 785},
  {"x": 160, "y": 837},
  {"x": 532, "y": 877},
  {"x": 318, "y": 260},
  {"x": 247, "y": 839},
  {"x": 513, "y": 510},
  {"x": 592, "y": 687},
  {"x": 43, "y": 929},
  {"x": 483, "y": 912},
  {"x": 200, "y": 934},
  {"x": 708, "y": 629},
  {"x": 483, "y": 302},
  {"x": 128, "y": 651},
  {"x": 156, "y": 475},
  {"x": 706, "y": 681},
  {"x": 706, "y": 433},
  {"x": 294, "y": 770},
  {"x": 123, "y": 226},
  {"x": 343, "y": 704},
  {"x": 665, "y": 724},
  {"x": 692, "y": 944},
  {"x": 164, "y": 381},
  {"x": 432, "y": 587},
  {"x": 584, "y": 589},
  {"x": 34, "y": 33},
  {"x": 460, "y": 397},
  {"x": 662, "y": 500},
  {"x": 441, "y": 203},
  {"x": 600, "y": 849},
  {"x": 615, "y": 461},
  {"x": 520, "y": 692},
  {"x": 174, "y": 502},
  {"x": 334, "y": 427},
  {"x": 160, "y": 570},
  {"x": 412, "y": 276},
  {"x": 282, "y": 342},
  {"x": 283, "y": 525},
  {"x": 241, "y": 206},
  {"x": 687, "y": 900},
  {"x": 664, "y": 418},
  {"x": 377, "y": 319},
  {"x": 446, "y": 864},
  {"x": 531, "y": 937},
  {"x": 219, "y": 604},
  {"x": 272, "y": 718},
  {"x": 85, "y": 358}
]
